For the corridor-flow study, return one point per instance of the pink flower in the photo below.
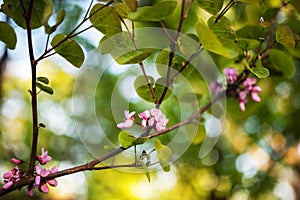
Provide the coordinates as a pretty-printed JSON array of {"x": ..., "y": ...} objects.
[
  {"x": 129, "y": 120},
  {"x": 160, "y": 119},
  {"x": 44, "y": 188},
  {"x": 53, "y": 182},
  {"x": 44, "y": 158},
  {"x": 242, "y": 100},
  {"x": 16, "y": 161},
  {"x": 11, "y": 177},
  {"x": 30, "y": 190},
  {"x": 249, "y": 83},
  {"x": 232, "y": 74},
  {"x": 254, "y": 93},
  {"x": 40, "y": 172},
  {"x": 144, "y": 116},
  {"x": 216, "y": 87}
]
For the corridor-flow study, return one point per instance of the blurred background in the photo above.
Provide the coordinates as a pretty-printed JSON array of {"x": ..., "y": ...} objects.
[{"x": 256, "y": 157}]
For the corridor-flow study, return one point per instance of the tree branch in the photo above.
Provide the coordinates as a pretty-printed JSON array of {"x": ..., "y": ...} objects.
[{"x": 91, "y": 165}]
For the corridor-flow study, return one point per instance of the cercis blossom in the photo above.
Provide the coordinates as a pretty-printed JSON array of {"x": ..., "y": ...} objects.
[
  {"x": 241, "y": 90},
  {"x": 128, "y": 121},
  {"x": 44, "y": 158},
  {"x": 17, "y": 174},
  {"x": 150, "y": 118}
]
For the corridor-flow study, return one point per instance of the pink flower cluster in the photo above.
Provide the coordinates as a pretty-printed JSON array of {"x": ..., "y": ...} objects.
[
  {"x": 248, "y": 86},
  {"x": 16, "y": 174},
  {"x": 12, "y": 176},
  {"x": 150, "y": 118}
]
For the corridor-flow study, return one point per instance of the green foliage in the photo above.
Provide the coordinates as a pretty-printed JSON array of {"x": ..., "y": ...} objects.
[
  {"x": 68, "y": 49},
  {"x": 282, "y": 62},
  {"x": 285, "y": 36},
  {"x": 154, "y": 13},
  {"x": 252, "y": 2},
  {"x": 41, "y": 12},
  {"x": 123, "y": 49},
  {"x": 142, "y": 88},
  {"x": 59, "y": 19},
  {"x": 43, "y": 79},
  {"x": 211, "y": 6},
  {"x": 42, "y": 82},
  {"x": 209, "y": 40},
  {"x": 222, "y": 28},
  {"x": 146, "y": 170},
  {"x": 163, "y": 155},
  {"x": 8, "y": 35},
  {"x": 126, "y": 139},
  {"x": 105, "y": 19},
  {"x": 122, "y": 9},
  {"x": 132, "y": 4}
]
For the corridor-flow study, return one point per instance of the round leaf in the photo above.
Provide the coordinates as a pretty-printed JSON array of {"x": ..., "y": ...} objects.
[
  {"x": 285, "y": 36},
  {"x": 157, "y": 12},
  {"x": 211, "y": 6},
  {"x": 69, "y": 49},
  {"x": 282, "y": 62},
  {"x": 105, "y": 19},
  {"x": 8, "y": 35},
  {"x": 126, "y": 139}
]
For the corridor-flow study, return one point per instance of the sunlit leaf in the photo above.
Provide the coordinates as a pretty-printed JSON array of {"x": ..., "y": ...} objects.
[
  {"x": 42, "y": 10},
  {"x": 44, "y": 88},
  {"x": 247, "y": 44},
  {"x": 188, "y": 44},
  {"x": 160, "y": 86},
  {"x": 43, "y": 79},
  {"x": 157, "y": 12},
  {"x": 122, "y": 49},
  {"x": 282, "y": 62},
  {"x": 252, "y": 2},
  {"x": 105, "y": 19},
  {"x": 250, "y": 32},
  {"x": 69, "y": 49},
  {"x": 146, "y": 170},
  {"x": 122, "y": 9},
  {"x": 209, "y": 40},
  {"x": 222, "y": 28},
  {"x": 140, "y": 140},
  {"x": 163, "y": 155},
  {"x": 132, "y": 4},
  {"x": 211, "y": 6},
  {"x": 285, "y": 36},
  {"x": 261, "y": 72},
  {"x": 126, "y": 139},
  {"x": 133, "y": 57},
  {"x": 8, "y": 35},
  {"x": 142, "y": 89}
]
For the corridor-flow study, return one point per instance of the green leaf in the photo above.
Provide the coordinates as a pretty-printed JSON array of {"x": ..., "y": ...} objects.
[
  {"x": 69, "y": 49},
  {"x": 42, "y": 10},
  {"x": 142, "y": 88},
  {"x": 157, "y": 12},
  {"x": 126, "y": 139},
  {"x": 282, "y": 62},
  {"x": 8, "y": 35},
  {"x": 260, "y": 72},
  {"x": 122, "y": 49},
  {"x": 146, "y": 170},
  {"x": 43, "y": 79},
  {"x": 188, "y": 44},
  {"x": 247, "y": 44},
  {"x": 59, "y": 19},
  {"x": 132, "y": 4},
  {"x": 250, "y": 32},
  {"x": 163, "y": 155},
  {"x": 160, "y": 86},
  {"x": 105, "y": 19},
  {"x": 139, "y": 141},
  {"x": 285, "y": 36},
  {"x": 222, "y": 28},
  {"x": 133, "y": 57},
  {"x": 252, "y": 2},
  {"x": 44, "y": 88},
  {"x": 209, "y": 40},
  {"x": 122, "y": 9},
  {"x": 211, "y": 6}
]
